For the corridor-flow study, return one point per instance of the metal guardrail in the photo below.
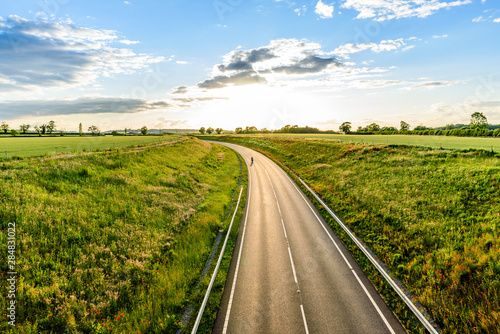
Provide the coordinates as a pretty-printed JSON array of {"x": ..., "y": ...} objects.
[
  {"x": 214, "y": 275},
  {"x": 432, "y": 328}
]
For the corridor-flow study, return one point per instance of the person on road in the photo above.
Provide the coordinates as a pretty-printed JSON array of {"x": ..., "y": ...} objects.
[{"x": 252, "y": 159}]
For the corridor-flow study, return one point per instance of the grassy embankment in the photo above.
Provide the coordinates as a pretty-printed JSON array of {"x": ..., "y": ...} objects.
[
  {"x": 39, "y": 146},
  {"x": 431, "y": 215},
  {"x": 115, "y": 242},
  {"x": 445, "y": 142}
]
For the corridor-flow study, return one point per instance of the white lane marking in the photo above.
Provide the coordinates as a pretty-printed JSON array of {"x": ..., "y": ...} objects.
[
  {"x": 304, "y": 318},
  {"x": 293, "y": 267},
  {"x": 374, "y": 304},
  {"x": 226, "y": 322},
  {"x": 284, "y": 230},
  {"x": 319, "y": 220}
]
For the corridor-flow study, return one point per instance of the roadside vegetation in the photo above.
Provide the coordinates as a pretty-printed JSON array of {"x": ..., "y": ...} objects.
[
  {"x": 115, "y": 242},
  {"x": 432, "y": 216}
]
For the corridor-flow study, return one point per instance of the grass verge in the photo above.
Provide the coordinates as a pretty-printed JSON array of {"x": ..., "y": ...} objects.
[{"x": 113, "y": 242}]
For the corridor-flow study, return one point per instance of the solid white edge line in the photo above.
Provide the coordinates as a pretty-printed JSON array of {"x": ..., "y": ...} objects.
[
  {"x": 304, "y": 318},
  {"x": 230, "y": 303},
  {"x": 374, "y": 304},
  {"x": 214, "y": 275},
  {"x": 401, "y": 294},
  {"x": 319, "y": 220}
]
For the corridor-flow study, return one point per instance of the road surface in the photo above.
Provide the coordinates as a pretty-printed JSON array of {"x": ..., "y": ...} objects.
[{"x": 290, "y": 273}]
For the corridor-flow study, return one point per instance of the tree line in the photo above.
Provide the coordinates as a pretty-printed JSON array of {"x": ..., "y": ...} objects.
[
  {"x": 478, "y": 127},
  {"x": 50, "y": 127}
]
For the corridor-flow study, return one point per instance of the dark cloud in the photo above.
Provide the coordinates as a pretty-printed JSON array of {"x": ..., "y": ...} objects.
[
  {"x": 242, "y": 60},
  {"x": 180, "y": 90},
  {"x": 90, "y": 105},
  {"x": 309, "y": 65},
  {"x": 241, "y": 78}
]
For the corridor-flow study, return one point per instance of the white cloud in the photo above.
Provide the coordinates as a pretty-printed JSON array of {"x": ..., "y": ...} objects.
[
  {"x": 301, "y": 11},
  {"x": 385, "y": 45},
  {"x": 127, "y": 2},
  {"x": 181, "y": 62},
  {"x": 428, "y": 84},
  {"x": 323, "y": 10},
  {"x": 496, "y": 20},
  {"x": 381, "y": 10},
  {"x": 440, "y": 36},
  {"x": 126, "y": 41},
  {"x": 478, "y": 19},
  {"x": 43, "y": 55}
]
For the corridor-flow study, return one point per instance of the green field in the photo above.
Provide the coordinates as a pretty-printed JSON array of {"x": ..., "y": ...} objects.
[
  {"x": 432, "y": 216},
  {"x": 461, "y": 143},
  {"x": 116, "y": 242},
  {"x": 38, "y": 146}
]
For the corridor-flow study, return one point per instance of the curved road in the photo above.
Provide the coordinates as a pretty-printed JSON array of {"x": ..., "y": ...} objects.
[{"x": 290, "y": 273}]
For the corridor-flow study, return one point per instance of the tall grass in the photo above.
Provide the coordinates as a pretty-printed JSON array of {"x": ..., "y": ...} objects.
[
  {"x": 115, "y": 242},
  {"x": 431, "y": 215}
]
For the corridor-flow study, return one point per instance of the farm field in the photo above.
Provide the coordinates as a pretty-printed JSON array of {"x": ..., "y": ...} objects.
[
  {"x": 117, "y": 242},
  {"x": 38, "y": 146},
  {"x": 450, "y": 142},
  {"x": 432, "y": 216}
]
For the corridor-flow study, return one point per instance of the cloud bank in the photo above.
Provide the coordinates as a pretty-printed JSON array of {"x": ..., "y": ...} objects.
[
  {"x": 381, "y": 10},
  {"x": 39, "y": 55},
  {"x": 83, "y": 105}
]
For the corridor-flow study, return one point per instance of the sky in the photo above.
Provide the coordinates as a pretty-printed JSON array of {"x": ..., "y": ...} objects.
[{"x": 235, "y": 63}]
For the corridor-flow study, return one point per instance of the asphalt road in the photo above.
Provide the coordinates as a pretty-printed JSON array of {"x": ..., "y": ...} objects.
[{"x": 289, "y": 272}]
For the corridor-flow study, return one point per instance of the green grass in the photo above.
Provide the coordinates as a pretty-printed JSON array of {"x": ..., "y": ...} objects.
[
  {"x": 38, "y": 146},
  {"x": 432, "y": 216},
  {"x": 114, "y": 242},
  {"x": 460, "y": 143}
]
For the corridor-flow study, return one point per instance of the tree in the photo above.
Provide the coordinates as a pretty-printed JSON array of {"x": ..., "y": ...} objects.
[
  {"x": 144, "y": 130},
  {"x": 14, "y": 133},
  {"x": 345, "y": 127},
  {"x": 51, "y": 127},
  {"x": 251, "y": 129},
  {"x": 4, "y": 127},
  {"x": 478, "y": 121},
  {"x": 80, "y": 129},
  {"x": 125, "y": 131},
  {"x": 238, "y": 130},
  {"x": 218, "y": 130},
  {"x": 24, "y": 128},
  {"x": 404, "y": 126},
  {"x": 44, "y": 128},
  {"x": 202, "y": 130},
  {"x": 210, "y": 130},
  {"x": 95, "y": 130},
  {"x": 373, "y": 127}
]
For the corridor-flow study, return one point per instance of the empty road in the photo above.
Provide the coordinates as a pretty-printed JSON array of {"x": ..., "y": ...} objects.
[{"x": 290, "y": 273}]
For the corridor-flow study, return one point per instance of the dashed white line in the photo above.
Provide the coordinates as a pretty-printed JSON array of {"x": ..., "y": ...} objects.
[
  {"x": 293, "y": 267},
  {"x": 319, "y": 220},
  {"x": 304, "y": 318}
]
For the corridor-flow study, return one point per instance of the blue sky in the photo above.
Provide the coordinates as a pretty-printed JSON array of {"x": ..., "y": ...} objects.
[{"x": 267, "y": 63}]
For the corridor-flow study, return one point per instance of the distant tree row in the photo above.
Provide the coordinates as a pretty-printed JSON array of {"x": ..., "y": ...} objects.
[
  {"x": 286, "y": 129},
  {"x": 478, "y": 127},
  {"x": 210, "y": 130},
  {"x": 50, "y": 127}
]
